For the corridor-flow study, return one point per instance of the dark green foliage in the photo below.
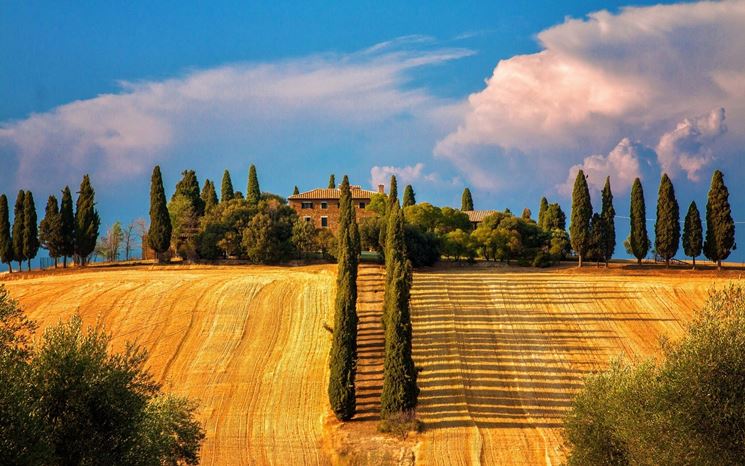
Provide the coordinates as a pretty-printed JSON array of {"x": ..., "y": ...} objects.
[
  {"x": 459, "y": 245},
  {"x": 295, "y": 191},
  {"x": 221, "y": 233},
  {"x": 304, "y": 238},
  {"x": 422, "y": 247},
  {"x": 692, "y": 233},
  {"x": 409, "y": 196},
  {"x": 6, "y": 242},
  {"x": 720, "y": 228},
  {"x": 19, "y": 226},
  {"x": 343, "y": 356},
  {"x": 68, "y": 225},
  {"x": 50, "y": 230},
  {"x": 209, "y": 196},
  {"x": 159, "y": 234},
  {"x": 579, "y": 229},
  {"x": 253, "y": 193},
  {"x": 188, "y": 188},
  {"x": 554, "y": 218},
  {"x": 667, "y": 225},
  {"x": 267, "y": 239},
  {"x": 30, "y": 228},
  {"x": 608, "y": 213},
  {"x": 526, "y": 214},
  {"x": 226, "y": 188},
  {"x": 596, "y": 249},
  {"x": 504, "y": 237},
  {"x": 638, "y": 240},
  {"x": 542, "y": 213},
  {"x": 466, "y": 200},
  {"x": 392, "y": 192},
  {"x": 87, "y": 221},
  {"x": 271, "y": 197},
  {"x": 239, "y": 195},
  {"x": 332, "y": 182}
]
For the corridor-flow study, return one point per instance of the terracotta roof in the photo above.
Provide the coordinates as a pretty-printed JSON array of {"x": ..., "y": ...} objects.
[
  {"x": 478, "y": 215},
  {"x": 325, "y": 193}
]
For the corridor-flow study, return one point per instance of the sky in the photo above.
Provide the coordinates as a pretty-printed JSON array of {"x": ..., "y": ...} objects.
[{"x": 508, "y": 98}]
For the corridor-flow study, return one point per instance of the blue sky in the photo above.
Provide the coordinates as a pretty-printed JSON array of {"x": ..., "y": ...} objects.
[{"x": 508, "y": 98}]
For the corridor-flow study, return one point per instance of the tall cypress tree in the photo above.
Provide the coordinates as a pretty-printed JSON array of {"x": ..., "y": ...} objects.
[
  {"x": 87, "y": 221},
  {"x": 209, "y": 195},
  {"x": 542, "y": 213},
  {"x": 67, "y": 217},
  {"x": 720, "y": 227},
  {"x": 30, "y": 228},
  {"x": 6, "y": 242},
  {"x": 226, "y": 188},
  {"x": 332, "y": 182},
  {"x": 692, "y": 233},
  {"x": 409, "y": 196},
  {"x": 188, "y": 187},
  {"x": 596, "y": 248},
  {"x": 638, "y": 239},
  {"x": 253, "y": 194},
  {"x": 343, "y": 356},
  {"x": 608, "y": 213},
  {"x": 19, "y": 226},
  {"x": 50, "y": 230},
  {"x": 667, "y": 225},
  {"x": 579, "y": 230},
  {"x": 159, "y": 235},
  {"x": 466, "y": 200},
  {"x": 393, "y": 192},
  {"x": 392, "y": 199},
  {"x": 296, "y": 191}
]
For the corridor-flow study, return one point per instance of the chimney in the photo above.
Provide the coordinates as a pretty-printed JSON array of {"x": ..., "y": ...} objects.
[{"x": 381, "y": 188}]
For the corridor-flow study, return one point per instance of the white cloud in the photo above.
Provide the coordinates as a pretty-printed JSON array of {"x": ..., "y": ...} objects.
[
  {"x": 404, "y": 175},
  {"x": 604, "y": 78}
]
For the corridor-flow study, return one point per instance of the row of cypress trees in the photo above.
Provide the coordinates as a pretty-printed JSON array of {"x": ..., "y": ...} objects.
[
  {"x": 587, "y": 229},
  {"x": 61, "y": 232}
]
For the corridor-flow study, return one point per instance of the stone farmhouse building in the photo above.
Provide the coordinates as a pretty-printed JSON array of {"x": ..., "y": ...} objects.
[{"x": 321, "y": 206}]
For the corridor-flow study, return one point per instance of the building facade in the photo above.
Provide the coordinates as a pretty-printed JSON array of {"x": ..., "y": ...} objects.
[{"x": 321, "y": 206}]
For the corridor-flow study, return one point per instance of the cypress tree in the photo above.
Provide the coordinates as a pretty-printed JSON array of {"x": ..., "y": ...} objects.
[
  {"x": 392, "y": 199},
  {"x": 579, "y": 229},
  {"x": 542, "y": 213},
  {"x": 409, "y": 196},
  {"x": 608, "y": 213},
  {"x": 526, "y": 214},
  {"x": 332, "y": 182},
  {"x": 188, "y": 187},
  {"x": 159, "y": 235},
  {"x": 466, "y": 201},
  {"x": 597, "y": 244},
  {"x": 6, "y": 242},
  {"x": 692, "y": 233},
  {"x": 87, "y": 221},
  {"x": 720, "y": 227},
  {"x": 667, "y": 225},
  {"x": 296, "y": 191},
  {"x": 393, "y": 192},
  {"x": 50, "y": 230},
  {"x": 209, "y": 195},
  {"x": 253, "y": 194},
  {"x": 343, "y": 356},
  {"x": 30, "y": 228},
  {"x": 68, "y": 226},
  {"x": 638, "y": 239},
  {"x": 19, "y": 226},
  {"x": 226, "y": 188}
]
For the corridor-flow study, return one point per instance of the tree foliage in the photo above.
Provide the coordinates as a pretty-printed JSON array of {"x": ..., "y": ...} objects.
[
  {"x": 332, "y": 181},
  {"x": 188, "y": 188},
  {"x": 409, "y": 196},
  {"x": 87, "y": 221},
  {"x": 720, "y": 227},
  {"x": 68, "y": 225},
  {"x": 6, "y": 241},
  {"x": 267, "y": 238},
  {"x": 692, "y": 233},
  {"x": 50, "y": 230},
  {"x": 19, "y": 226},
  {"x": 253, "y": 193},
  {"x": 543, "y": 207},
  {"x": 579, "y": 229},
  {"x": 159, "y": 234},
  {"x": 667, "y": 225},
  {"x": 30, "y": 228},
  {"x": 608, "y": 214},
  {"x": 638, "y": 240},
  {"x": 466, "y": 200},
  {"x": 226, "y": 188},
  {"x": 209, "y": 196}
]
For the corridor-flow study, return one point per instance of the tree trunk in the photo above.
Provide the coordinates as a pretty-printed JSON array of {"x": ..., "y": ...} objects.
[
  {"x": 55, "y": 262},
  {"x": 10, "y": 267},
  {"x": 20, "y": 266},
  {"x": 29, "y": 265},
  {"x": 580, "y": 261},
  {"x": 638, "y": 261},
  {"x": 667, "y": 263},
  {"x": 694, "y": 263},
  {"x": 719, "y": 265},
  {"x": 64, "y": 262}
]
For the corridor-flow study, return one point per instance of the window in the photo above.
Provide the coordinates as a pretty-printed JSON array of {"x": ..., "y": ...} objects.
[
  {"x": 324, "y": 222},
  {"x": 307, "y": 205},
  {"x": 324, "y": 205},
  {"x": 306, "y": 218},
  {"x": 362, "y": 205}
]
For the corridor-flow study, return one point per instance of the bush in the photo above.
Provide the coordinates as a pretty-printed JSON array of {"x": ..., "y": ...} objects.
[
  {"x": 401, "y": 424},
  {"x": 422, "y": 248}
]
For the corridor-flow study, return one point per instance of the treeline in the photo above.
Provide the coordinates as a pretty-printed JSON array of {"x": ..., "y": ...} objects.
[{"x": 62, "y": 232}]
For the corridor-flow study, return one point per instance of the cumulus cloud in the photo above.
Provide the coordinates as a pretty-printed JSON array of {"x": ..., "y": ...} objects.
[
  {"x": 120, "y": 135},
  {"x": 610, "y": 76},
  {"x": 404, "y": 175}
]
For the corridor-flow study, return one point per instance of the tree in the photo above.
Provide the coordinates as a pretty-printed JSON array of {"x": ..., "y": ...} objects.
[
  {"x": 392, "y": 193},
  {"x": 50, "y": 230},
  {"x": 68, "y": 225},
  {"x": 638, "y": 240},
  {"x": 226, "y": 188},
  {"x": 184, "y": 227},
  {"x": 30, "y": 228},
  {"x": 720, "y": 228},
  {"x": 129, "y": 239},
  {"x": 159, "y": 234},
  {"x": 579, "y": 229},
  {"x": 343, "y": 356},
  {"x": 692, "y": 233},
  {"x": 209, "y": 196},
  {"x": 466, "y": 201},
  {"x": 667, "y": 225},
  {"x": 112, "y": 242},
  {"x": 332, "y": 182},
  {"x": 295, "y": 191},
  {"x": 608, "y": 214},
  {"x": 6, "y": 242},
  {"x": 304, "y": 238},
  {"x": 188, "y": 187},
  {"x": 253, "y": 193},
  {"x": 598, "y": 233},
  {"x": 267, "y": 238},
  {"x": 526, "y": 214},
  {"x": 554, "y": 218},
  {"x": 409, "y": 196},
  {"x": 542, "y": 213},
  {"x": 87, "y": 221},
  {"x": 19, "y": 227}
]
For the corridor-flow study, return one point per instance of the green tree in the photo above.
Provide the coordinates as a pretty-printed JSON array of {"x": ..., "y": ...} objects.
[
  {"x": 296, "y": 191},
  {"x": 638, "y": 240},
  {"x": 526, "y": 214},
  {"x": 598, "y": 233},
  {"x": 209, "y": 196},
  {"x": 19, "y": 227},
  {"x": 6, "y": 242},
  {"x": 542, "y": 213},
  {"x": 253, "y": 193},
  {"x": 579, "y": 229},
  {"x": 608, "y": 213},
  {"x": 68, "y": 225},
  {"x": 304, "y": 238},
  {"x": 554, "y": 218},
  {"x": 226, "y": 188},
  {"x": 159, "y": 234},
  {"x": 720, "y": 227},
  {"x": 466, "y": 201},
  {"x": 667, "y": 225},
  {"x": 50, "y": 230},
  {"x": 30, "y": 228},
  {"x": 692, "y": 233},
  {"x": 409, "y": 196},
  {"x": 267, "y": 238},
  {"x": 188, "y": 187},
  {"x": 332, "y": 182},
  {"x": 393, "y": 192},
  {"x": 87, "y": 221},
  {"x": 184, "y": 227}
]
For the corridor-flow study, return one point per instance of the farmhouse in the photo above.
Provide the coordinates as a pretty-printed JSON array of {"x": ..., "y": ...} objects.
[
  {"x": 321, "y": 206},
  {"x": 478, "y": 216}
]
